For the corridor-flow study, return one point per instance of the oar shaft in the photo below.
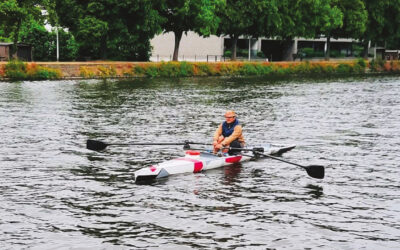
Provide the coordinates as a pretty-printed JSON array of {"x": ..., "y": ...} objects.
[{"x": 269, "y": 156}]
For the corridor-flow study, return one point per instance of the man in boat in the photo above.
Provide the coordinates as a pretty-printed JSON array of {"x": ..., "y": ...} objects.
[{"x": 228, "y": 134}]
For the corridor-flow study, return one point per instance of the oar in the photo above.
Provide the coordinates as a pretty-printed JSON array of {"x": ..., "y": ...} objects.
[
  {"x": 315, "y": 171},
  {"x": 99, "y": 145}
]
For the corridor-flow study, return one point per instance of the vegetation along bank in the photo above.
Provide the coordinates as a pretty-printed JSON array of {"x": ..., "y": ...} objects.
[{"x": 17, "y": 70}]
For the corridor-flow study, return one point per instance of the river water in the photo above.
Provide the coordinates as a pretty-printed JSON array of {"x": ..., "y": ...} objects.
[{"x": 56, "y": 194}]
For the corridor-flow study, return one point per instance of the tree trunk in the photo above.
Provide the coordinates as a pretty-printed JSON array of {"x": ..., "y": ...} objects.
[
  {"x": 178, "y": 36},
  {"x": 234, "y": 47},
  {"x": 328, "y": 47},
  {"x": 365, "y": 51},
  {"x": 103, "y": 47},
  {"x": 14, "y": 47}
]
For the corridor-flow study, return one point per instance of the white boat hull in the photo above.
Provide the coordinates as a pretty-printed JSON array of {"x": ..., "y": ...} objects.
[{"x": 197, "y": 163}]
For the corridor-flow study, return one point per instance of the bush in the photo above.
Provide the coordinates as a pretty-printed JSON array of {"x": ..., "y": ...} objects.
[
  {"x": 16, "y": 70},
  {"x": 343, "y": 68},
  {"x": 106, "y": 71},
  {"x": 186, "y": 69},
  {"x": 260, "y": 54},
  {"x": 151, "y": 71},
  {"x": 204, "y": 69},
  {"x": 228, "y": 53},
  {"x": 139, "y": 70},
  {"x": 169, "y": 69},
  {"x": 377, "y": 65}
]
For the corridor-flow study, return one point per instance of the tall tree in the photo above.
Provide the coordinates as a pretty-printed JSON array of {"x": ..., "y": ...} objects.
[
  {"x": 14, "y": 14},
  {"x": 181, "y": 16},
  {"x": 111, "y": 29},
  {"x": 383, "y": 25},
  {"x": 354, "y": 21},
  {"x": 306, "y": 18},
  {"x": 252, "y": 18}
]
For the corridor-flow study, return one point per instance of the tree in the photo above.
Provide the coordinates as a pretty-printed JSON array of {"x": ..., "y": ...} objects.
[
  {"x": 185, "y": 15},
  {"x": 44, "y": 43},
  {"x": 110, "y": 29},
  {"x": 354, "y": 21},
  {"x": 383, "y": 25},
  {"x": 14, "y": 14},
  {"x": 251, "y": 18},
  {"x": 305, "y": 18}
]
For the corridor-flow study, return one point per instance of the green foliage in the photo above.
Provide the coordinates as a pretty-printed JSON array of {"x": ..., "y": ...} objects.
[
  {"x": 377, "y": 65},
  {"x": 14, "y": 14},
  {"x": 169, "y": 69},
  {"x": 336, "y": 54},
  {"x": 138, "y": 70},
  {"x": 361, "y": 62},
  {"x": 45, "y": 43},
  {"x": 151, "y": 71},
  {"x": 228, "y": 53},
  {"x": 204, "y": 69},
  {"x": 16, "y": 70},
  {"x": 181, "y": 16},
  {"x": 344, "y": 69},
  {"x": 260, "y": 54},
  {"x": 186, "y": 69},
  {"x": 111, "y": 29},
  {"x": 106, "y": 72}
]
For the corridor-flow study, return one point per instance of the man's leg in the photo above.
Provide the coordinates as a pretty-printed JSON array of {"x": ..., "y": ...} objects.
[{"x": 235, "y": 144}]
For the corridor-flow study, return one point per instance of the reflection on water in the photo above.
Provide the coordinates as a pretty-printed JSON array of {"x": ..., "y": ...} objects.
[{"x": 55, "y": 194}]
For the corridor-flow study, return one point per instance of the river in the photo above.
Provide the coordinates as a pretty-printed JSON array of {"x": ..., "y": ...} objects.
[{"x": 56, "y": 194}]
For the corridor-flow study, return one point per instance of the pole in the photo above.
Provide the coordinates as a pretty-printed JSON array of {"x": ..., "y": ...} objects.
[
  {"x": 249, "y": 48},
  {"x": 58, "y": 49}
]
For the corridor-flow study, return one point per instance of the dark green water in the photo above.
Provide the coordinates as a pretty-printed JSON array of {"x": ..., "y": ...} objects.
[{"x": 55, "y": 194}]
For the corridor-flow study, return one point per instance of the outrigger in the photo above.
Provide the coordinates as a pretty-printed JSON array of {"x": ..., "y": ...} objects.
[{"x": 196, "y": 160}]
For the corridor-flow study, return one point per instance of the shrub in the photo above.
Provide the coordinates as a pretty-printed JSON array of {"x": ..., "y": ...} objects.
[
  {"x": 106, "y": 71},
  {"x": 86, "y": 72},
  {"x": 169, "y": 69},
  {"x": 151, "y": 71},
  {"x": 204, "y": 69},
  {"x": 16, "y": 70},
  {"x": 139, "y": 70},
  {"x": 344, "y": 68},
  {"x": 377, "y": 65},
  {"x": 186, "y": 69},
  {"x": 260, "y": 54},
  {"x": 228, "y": 53},
  {"x": 249, "y": 69}
]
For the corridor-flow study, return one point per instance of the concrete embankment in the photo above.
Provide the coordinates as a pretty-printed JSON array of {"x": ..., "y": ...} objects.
[{"x": 104, "y": 69}]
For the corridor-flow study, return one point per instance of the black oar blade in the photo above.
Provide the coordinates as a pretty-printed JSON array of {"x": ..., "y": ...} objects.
[
  {"x": 316, "y": 171},
  {"x": 95, "y": 145}
]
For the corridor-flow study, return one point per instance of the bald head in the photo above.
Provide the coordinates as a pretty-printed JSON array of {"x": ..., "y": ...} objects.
[{"x": 230, "y": 113}]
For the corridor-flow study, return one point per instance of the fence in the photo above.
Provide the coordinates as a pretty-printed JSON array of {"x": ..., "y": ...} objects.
[{"x": 190, "y": 58}]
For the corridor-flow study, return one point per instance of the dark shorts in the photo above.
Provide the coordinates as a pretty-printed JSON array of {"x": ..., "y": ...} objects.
[{"x": 235, "y": 144}]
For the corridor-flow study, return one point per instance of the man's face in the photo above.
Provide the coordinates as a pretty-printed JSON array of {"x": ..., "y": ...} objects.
[{"x": 229, "y": 117}]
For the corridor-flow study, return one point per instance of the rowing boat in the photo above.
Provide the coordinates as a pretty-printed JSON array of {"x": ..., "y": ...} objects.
[{"x": 196, "y": 161}]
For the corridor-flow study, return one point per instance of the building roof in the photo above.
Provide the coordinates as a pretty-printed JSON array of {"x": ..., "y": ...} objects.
[{"x": 19, "y": 44}]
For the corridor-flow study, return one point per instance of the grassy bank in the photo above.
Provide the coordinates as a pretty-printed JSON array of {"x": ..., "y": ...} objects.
[{"x": 16, "y": 70}]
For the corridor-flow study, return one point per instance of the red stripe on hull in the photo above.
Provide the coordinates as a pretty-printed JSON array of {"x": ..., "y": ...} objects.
[
  {"x": 233, "y": 159},
  {"x": 198, "y": 165}
]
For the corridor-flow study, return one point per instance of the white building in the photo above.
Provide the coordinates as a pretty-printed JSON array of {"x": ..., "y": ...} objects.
[{"x": 196, "y": 48}]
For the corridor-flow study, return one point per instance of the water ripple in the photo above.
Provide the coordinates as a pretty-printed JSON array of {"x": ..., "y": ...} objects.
[{"x": 55, "y": 194}]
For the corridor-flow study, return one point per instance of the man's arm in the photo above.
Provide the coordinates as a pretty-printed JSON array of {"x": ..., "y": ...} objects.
[{"x": 237, "y": 132}]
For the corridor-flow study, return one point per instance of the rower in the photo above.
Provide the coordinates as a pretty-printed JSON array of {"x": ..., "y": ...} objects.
[{"x": 228, "y": 134}]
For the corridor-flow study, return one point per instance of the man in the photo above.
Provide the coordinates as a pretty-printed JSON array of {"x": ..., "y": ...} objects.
[{"x": 228, "y": 134}]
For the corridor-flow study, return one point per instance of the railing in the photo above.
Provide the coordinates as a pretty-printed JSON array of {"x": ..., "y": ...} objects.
[{"x": 189, "y": 58}]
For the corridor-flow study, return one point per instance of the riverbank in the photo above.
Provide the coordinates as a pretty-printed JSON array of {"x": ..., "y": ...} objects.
[{"x": 102, "y": 69}]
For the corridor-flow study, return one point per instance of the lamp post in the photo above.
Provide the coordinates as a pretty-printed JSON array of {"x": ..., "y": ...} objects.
[{"x": 58, "y": 49}]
